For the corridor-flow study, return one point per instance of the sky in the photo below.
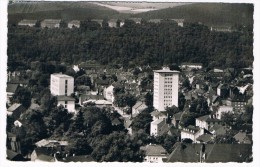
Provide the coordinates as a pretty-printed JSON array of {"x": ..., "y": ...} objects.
[{"x": 3, "y": 79}]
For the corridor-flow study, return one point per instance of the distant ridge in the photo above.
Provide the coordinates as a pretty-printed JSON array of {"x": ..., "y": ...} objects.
[{"x": 207, "y": 13}]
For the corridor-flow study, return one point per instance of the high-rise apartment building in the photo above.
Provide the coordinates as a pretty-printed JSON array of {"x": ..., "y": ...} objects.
[
  {"x": 166, "y": 83},
  {"x": 61, "y": 84}
]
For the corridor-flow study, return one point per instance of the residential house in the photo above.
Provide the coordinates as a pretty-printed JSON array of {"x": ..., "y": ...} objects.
[
  {"x": 210, "y": 153},
  {"x": 218, "y": 130},
  {"x": 138, "y": 108},
  {"x": 238, "y": 102},
  {"x": 74, "y": 24},
  {"x": 223, "y": 90},
  {"x": 154, "y": 153},
  {"x": 156, "y": 126},
  {"x": 14, "y": 156},
  {"x": 221, "y": 28},
  {"x": 191, "y": 65},
  {"x": 10, "y": 91},
  {"x": 243, "y": 138},
  {"x": 25, "y": 22},
  {"x": 84, "y": 98},
  {"x": 67, "y": 102},
  {"x": 16, "y": 110},
  {"x": 158, "y": 115},
  {"x": 191, "y": 132},
  {"x": 51, "y": 143},
  {"x": 51, "y": 23},
  {"x": 207, "y": 121},
  {"x": 109, "y": 93},
  {"x": 176, "y": 118},
  {"x": 205, "y": 138},
  {"x": 13, "y": 143},
  {"x": 223, "y": 109},
  {"x": 43, "y": 154}
]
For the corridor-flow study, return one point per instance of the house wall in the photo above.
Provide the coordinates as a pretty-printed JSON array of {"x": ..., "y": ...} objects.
[
  {"x": 70, "y": 106},
  {"x": 58, "y": 85},
  {"x": 155, "y": 158},
  {"x": 156, "y": 127}
]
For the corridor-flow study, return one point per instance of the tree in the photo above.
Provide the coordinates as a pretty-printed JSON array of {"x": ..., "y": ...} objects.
[
  {"x": 172, "y": 110},
  {"x": 188, "y": 118},
  {"x": 247, "y": 116},
  {"x": 23, "y": 96},
  {"x": 130, "y": 101},
  {"x": 142, "y": 121},
  {"x": 148, "y": 99},
  {"x": 80, "y": 146}
]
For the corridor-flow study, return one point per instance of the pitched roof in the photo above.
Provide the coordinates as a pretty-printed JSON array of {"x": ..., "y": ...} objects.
[
  {"x": 214, "y": 152},
  {"x": 154, "y": 150},
  {"x": 11, "y": 87},
  {"x": 178, "y": 115},
  {"x": 14, "y": 107},
  {"x": 208, "y": 118},
  {"x": 205, "y": 138},
  {"x": 65, "y": 98},
  {"x": 50, "y": 143},
  {"x": 11, "y": 155}
]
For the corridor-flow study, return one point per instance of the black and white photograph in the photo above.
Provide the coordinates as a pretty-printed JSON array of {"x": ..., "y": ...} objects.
[{"x": 129, "y": 81}]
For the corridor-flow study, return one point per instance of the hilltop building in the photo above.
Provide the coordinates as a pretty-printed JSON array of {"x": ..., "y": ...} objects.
[
  {"x": 51, "y": 23},
  {"x": 165, "y": 88}
]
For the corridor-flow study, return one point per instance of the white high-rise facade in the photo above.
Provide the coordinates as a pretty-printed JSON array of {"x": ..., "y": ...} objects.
[
  {"x": 61, "y": 84},
  {"x": 165, "y": 90}
]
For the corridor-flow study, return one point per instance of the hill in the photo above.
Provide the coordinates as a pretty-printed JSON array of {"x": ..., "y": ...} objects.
[
  {"x": 220, "y": 14},
  {"x": 59, "y": 10}
]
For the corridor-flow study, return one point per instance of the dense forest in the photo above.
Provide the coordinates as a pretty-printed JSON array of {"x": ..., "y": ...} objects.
[{"x": 131, "y": 45}]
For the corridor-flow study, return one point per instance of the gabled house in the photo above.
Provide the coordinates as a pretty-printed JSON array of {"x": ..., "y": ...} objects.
[
  {"x": 84, "y": 98},
  {"x": 43, "y": 154},
  {"x": 243, "y": 138},
  {"x": 158, "y": 115},
  {"x": 10, "y": 90},
  {"x": 51, "y": 23},
  {"x": 156, "y": 126},
  {"x": 16, "y": 110},
  {"x": 138, "y": 108},
  {"x": 176, "y": 118},
  {"x": 207, "y": 121},
  {"x": 191, "y": 65},
  {"x": 14, "y": 156},
  {"x": 239, "y": 102},
  {"x": 25, "y": 22},
  {"x": 191, "y": 132},
  {"x": 223, "y": 109},
  {"x": 218, "y": 130},
  {"x": 154, "y": 153},
  {"x": 210, "y": 153},
  {"x": 67, "y": 102}
]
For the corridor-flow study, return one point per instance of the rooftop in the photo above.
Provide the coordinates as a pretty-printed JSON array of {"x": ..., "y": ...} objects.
[
  {"x": 60, "y": 75},
  {"x": 11, "y": 87},
  {"x": 166, "y": 70},
  {"x": 14, "y": 107},
  {"x": 25, "y": 21},
  {"x": 154, "y": 150},
  {"x": 214, "y": 152}
]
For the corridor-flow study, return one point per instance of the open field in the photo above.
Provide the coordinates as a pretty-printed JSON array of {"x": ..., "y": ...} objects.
[{"x": 137, "y": 7}]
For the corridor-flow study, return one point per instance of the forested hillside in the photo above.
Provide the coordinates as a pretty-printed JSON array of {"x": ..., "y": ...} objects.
[
  {"x": 220, "y": 14},
  {"x": 131, "y": 45}
]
